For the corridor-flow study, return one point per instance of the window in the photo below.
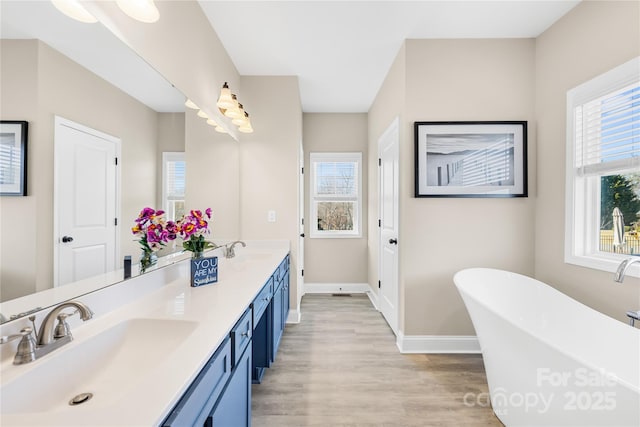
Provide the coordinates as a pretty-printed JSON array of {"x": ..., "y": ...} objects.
[
  {"x": 336, "y": 188},
  {"x": 603, "y": 169},
  {"x": 173, "y": 184}
]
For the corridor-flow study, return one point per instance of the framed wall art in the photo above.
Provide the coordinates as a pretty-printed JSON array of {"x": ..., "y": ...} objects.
[
  {"x": 471, "y": 159},
  {"x": 13, "y": 158}
]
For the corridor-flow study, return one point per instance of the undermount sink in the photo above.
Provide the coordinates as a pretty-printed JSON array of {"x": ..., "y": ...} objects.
[{"x": 105, "y": 365}]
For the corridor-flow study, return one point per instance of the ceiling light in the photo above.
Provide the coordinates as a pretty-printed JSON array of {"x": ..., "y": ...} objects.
[
  {"x": 239, "y": 121},
  {"x": 211, "y": 122},
  {"x": 73, "y": 9},
  {"x": 202, "y": 114},
  {"x": 220, "y": 129},
  {"x": 140, "y": 10},
  {"x": 189, "y": 103},
  {"x": 233, "y": 112},
  {"x": 225, "y": 101},
  {"x": 246, "y": 128}
]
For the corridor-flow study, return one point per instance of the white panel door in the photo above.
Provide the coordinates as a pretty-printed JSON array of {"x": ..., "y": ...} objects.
[
  {"x": 389, "y": 150},
  {"x": 86, "y": 202}
]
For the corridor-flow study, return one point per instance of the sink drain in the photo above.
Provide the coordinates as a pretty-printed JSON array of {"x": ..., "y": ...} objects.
[{"x": 80, "y": 399}]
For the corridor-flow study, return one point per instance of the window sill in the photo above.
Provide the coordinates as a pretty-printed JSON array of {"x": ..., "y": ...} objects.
[{"x": 607, "y": 263}]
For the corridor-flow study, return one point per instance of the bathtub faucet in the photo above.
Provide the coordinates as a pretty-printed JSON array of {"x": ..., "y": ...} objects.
[{"x": 622, "y": 268}]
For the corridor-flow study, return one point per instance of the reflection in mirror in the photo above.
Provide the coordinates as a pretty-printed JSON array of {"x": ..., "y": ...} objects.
[{"x": 52, "y": 66}]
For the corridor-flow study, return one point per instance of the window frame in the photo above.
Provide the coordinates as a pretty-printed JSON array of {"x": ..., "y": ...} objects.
[
  {"x": 314, "y": 159},
  {"x": 582, "y": 195},
  {"x": 169, "y": 156}
]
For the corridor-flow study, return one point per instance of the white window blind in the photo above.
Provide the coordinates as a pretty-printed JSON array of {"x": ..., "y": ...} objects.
[
  {"x": 173, "y": 184},
  {"x": 607, "y": 132}
]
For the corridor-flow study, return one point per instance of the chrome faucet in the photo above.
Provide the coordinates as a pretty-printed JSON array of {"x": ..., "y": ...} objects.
[
  {"x": 622, "y": 268},
  {"x": 49, "y": 337},
  {"x": 229, "y": 251}
]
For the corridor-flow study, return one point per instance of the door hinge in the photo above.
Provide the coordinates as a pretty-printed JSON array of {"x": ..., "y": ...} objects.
[
  {"x": 379, "y": 284},
  {"x": 302, "y": 171},
  {"x": 302, "y": 272},
  {"x": 115, "y": 221},
  {"x": 379, "y": 162},
  {"x": 302, "y": 219},
  {"x": 379, "y": 223},
  {"x": 116, "y": 161}
]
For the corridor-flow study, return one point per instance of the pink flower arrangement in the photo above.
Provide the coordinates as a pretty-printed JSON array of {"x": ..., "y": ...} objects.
[
  {"x": 153, "y": 231},
  {"x": 192, "y": 228}
]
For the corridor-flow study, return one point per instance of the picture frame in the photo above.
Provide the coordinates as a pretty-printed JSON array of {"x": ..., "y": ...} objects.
[
  {"x": 13, "y": 157},
  {"x": 471, "y": 159}
]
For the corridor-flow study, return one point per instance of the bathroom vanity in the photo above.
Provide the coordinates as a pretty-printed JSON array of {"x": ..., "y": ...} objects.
[{"x": 157, "y": 351}]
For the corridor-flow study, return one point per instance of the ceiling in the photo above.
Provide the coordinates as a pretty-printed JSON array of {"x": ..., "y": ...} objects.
[{"x": 340, "y": 50}]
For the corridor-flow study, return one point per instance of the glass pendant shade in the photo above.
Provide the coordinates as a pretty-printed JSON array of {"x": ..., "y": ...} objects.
[
  {"x": 211, "y": 123},
  {"x": 140, "y": 10},
  {"x": 220, "y": 129},
  {"x": 189, "y": 103},
  {"x": 202, "y": 114},
  {"x": 239, "y": 121},
  {"x": 246, "y": 128},
  {"x": 73, "y": 9},
  {"x": 225, "y": 101},
  {"x": 233, "y": 112}
]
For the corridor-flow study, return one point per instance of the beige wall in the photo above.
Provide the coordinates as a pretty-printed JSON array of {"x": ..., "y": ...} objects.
[
  {"x": 19, "y": 88},
  {"x": 269, "y": 163},
  {"x": 388, "y": 104},
  {"x": 213, "y": 176},
  {"x": 59, "y": 86},
  {"x": 335, "y": 260},
  {"x": 459, "y": 80},
  {"x": 591, "y": 39}
]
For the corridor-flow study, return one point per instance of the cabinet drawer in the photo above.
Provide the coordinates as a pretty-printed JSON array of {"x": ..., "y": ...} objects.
[
  {"x": 201, "y": 396},
  {"x": 241, "y": 336},
  {"x": 261, "y": 302}
]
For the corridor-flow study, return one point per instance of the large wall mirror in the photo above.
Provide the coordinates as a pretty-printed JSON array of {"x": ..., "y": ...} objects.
[{"x": 53, "y": 67}]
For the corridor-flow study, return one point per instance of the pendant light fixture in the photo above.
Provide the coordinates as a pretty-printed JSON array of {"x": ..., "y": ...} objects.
[
  {"x": 246, "y": 126},
  {"x": 73, "y": 9},
  {"x": 202, "y": 114},
  {"x": 225, "y": 101},
  {"x": 140, "y": 10}
]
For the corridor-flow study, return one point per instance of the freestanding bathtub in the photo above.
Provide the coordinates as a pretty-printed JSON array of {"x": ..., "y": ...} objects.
[{"x": 550, "y": 360}]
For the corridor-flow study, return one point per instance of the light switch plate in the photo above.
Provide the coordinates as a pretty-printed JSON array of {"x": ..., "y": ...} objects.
[{"x": 271, "y": 216}]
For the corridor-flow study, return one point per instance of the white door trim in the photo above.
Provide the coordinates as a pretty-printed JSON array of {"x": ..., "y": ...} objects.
[{"x": 59, "y": 122}]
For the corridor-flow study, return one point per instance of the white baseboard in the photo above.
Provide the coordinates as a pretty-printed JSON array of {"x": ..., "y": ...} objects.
[
  {"x": 437, "y": 343},
  {"x": 373, "y": 297},
  {"x": 336, "y": 288},
  {"x": 294, "y": 316}
]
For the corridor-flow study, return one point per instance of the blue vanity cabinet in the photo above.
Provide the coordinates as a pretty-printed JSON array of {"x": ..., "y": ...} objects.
[
  {"x": 234, "y": 407},
  {"x": 196, "y": 404},
  {"x": 280, "y": 305},
  {"x": 262, "y": 326}
]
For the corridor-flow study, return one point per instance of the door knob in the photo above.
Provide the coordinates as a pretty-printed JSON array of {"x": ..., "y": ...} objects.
[
  {"x": 302, "y": 235},
  {"x": 393, "y": 241},
  {"x": 67, "y": 239}
]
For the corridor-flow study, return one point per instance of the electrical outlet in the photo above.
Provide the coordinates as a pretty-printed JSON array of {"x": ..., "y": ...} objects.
[{"x": 271, "y": 216}]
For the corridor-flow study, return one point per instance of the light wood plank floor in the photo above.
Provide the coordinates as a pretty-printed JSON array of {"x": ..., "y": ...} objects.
[{"x": 341, "y": 367}]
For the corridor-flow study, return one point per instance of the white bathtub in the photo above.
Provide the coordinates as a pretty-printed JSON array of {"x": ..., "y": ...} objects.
[{"x": 550, "y": 360}]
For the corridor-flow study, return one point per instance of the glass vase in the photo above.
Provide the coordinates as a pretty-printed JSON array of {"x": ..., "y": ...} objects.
[{"x": 147, "y": 259}]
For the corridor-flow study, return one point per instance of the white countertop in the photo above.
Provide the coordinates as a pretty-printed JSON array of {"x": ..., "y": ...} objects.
[{"x": 163, "y": 295}]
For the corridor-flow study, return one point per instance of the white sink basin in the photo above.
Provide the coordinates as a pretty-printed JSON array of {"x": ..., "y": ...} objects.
[{"x": 106, "y": 365}]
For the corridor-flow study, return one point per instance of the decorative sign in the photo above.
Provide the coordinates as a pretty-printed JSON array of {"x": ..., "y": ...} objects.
[{"x": 204, "y": 271}]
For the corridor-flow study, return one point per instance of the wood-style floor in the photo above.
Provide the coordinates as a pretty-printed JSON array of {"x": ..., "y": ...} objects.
[{"x": 340, "y": 367}]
